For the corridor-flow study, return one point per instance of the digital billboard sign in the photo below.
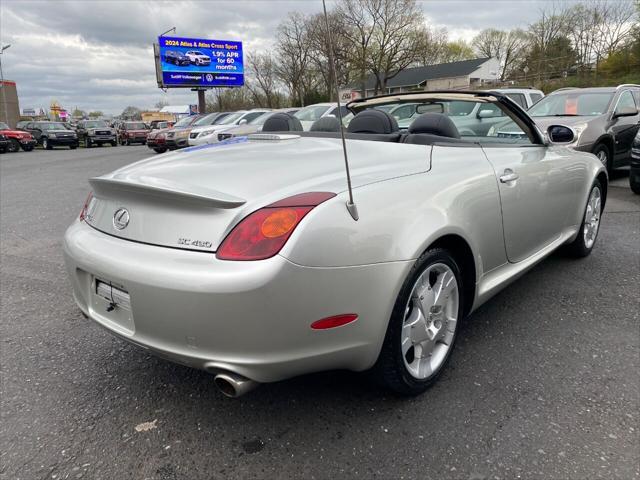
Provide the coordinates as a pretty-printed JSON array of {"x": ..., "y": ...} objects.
[{"x": 196, "y": 62}]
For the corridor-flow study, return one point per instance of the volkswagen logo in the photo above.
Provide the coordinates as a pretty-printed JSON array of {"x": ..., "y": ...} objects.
[
  {"x": 209, "y": 77},
  {"x": 121, "y": 219}
]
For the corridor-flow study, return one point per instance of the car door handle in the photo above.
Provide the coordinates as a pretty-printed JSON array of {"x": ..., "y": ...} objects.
[{"x": 509, "y": 176}]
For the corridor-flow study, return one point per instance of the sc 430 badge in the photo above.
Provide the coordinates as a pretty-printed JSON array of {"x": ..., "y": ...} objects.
[{"x": 194, "y": 243}]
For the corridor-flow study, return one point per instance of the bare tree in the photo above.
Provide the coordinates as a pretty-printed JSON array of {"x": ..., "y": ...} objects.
[
  {"x": 434, "y": 45},
  {"x": 507, "y": 47},
  {"x": 262, "y": 82},
  {"x": 617, "y": 21},
  {"x": 294, "y": 54},
  {"x": 397, "y": 40}
]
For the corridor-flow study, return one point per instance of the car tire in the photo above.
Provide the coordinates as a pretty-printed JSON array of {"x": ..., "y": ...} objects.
[
  {"x": 604, "y": 155},
  {"x": 114, "y": 143},
  {"x": 73, "y": 147},
  {"x": 14, "y": 145},
  {"x": 87, "y": 142},
  {"x": 590, "y": 226},
  {"x": 415, "y": 330},
  {"x": 46, "y": 144},
  {"x": 159, "y": 150},
  {"x": 634, "y": 182},
  {"x": 27, "y": 148}
]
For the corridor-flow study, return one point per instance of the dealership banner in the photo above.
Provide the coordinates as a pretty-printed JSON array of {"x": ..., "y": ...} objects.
[{"x": 196, "y": 62}]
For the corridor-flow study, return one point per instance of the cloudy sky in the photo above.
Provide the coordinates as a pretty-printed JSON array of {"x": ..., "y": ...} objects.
[{"x": 97, "y": 55}]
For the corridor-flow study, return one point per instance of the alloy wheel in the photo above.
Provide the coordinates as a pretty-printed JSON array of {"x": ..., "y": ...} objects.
[
  {"x": 430, "y": 321},
  {"x": 592, "y": 217}
]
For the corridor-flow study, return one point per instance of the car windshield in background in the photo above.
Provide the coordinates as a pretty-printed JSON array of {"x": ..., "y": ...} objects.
[
  {"x": 231, "y": 118},
  {"x": 4, "y": 126},
  {"x": 571, "y": 104},
  {"x": 311, "y": 113},
  {"x": 95, "y": 124},
  {"x": 261, "y": 119},
  {"x": 184, "y": 122},
  {"x": 206, "y": 120},
  {"x": 136, "y": 126},
  {"x": 53, "y": 126}
]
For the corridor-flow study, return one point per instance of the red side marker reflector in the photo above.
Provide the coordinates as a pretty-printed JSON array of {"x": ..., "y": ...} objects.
[{"x": 332, "y": 322}]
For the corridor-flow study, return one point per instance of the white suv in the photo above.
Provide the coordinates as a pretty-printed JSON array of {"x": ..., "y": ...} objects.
[
  {"x": 198, "y": 58},
  {"x": 209, "y": 133}
]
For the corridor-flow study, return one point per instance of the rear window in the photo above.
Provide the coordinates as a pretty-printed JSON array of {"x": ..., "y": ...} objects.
[{"x": 135, "y": 126}]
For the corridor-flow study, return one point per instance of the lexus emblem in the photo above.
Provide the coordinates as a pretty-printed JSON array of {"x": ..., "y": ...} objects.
[{"x": 121, "y": 219}]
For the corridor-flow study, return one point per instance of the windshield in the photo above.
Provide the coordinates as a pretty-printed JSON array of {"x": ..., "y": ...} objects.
[
  {"x": 261, "y": 119},
  {"x": 571, "y": 104},
  {"x": 183, "y": 122},
  {"x": 206, "y": 120},
  {"x": 53, "y": 126},
  {"x": 311, "y": 113},
  {"x": 135, "y": 126},
  {"x": 96, "y": 123},
  {"x": 4, "y": 126},
  {"x": 231, "y": 118}
]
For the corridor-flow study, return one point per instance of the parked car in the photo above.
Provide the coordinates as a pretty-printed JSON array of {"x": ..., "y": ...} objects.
[
  {"x": 96, "y": 132},
  {"x": 133, "y": 132},
  {"x": 156, "y": 139},
  {"x": 634, "y": 170},
  {"x": 22, "y": 124},
  {"x": 309, "y": 114},
  {"x": 250, "y": 261},
  {"x": 160, "y": 124},
  {"x": 605, "y": 120},
  {"x": 179, "y": 137},
  {"x": 17, "y": 139},
  {"x": 177, "y": 58},
  {"x": 209, "y": 133},
  {"x": 53, "y": 134},
  {"x": 198, "y": 58},
  {"x": 4, "y": 144}
]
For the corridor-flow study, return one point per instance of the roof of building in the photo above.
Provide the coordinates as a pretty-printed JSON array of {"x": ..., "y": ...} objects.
[
  {"x": 175, "y": 109},
  {"x": 417, "y": 75}
]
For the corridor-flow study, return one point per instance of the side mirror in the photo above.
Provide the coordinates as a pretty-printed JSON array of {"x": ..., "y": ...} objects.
[
  {"x": 242, "y": 122},
  {"x": 625, "y": 112},
  {"x": 486, "y": 114},
  {"x": 560, "y": 134}
]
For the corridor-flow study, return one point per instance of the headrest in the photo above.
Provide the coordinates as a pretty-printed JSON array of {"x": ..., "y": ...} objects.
[
  {"x": 435, "y": 124},
  {"x": 373, "y": 121},
  {"x": 326, "y": 124},
  {"x": 282, "y": 122}
]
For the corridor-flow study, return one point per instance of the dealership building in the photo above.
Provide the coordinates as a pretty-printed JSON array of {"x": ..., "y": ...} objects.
[
  {"x": 9, "y": 107},
  {"x": 466, "y": 74}
]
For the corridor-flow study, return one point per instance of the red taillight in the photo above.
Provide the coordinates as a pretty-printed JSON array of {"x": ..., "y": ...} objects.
[
  {"x": 333, "y": 322},
  {"x": 83, "y": 212},
  {"x": 263, "y": 233}
]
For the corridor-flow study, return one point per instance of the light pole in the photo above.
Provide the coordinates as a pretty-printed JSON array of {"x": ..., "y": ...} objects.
[{"x": 4, "y": 89}]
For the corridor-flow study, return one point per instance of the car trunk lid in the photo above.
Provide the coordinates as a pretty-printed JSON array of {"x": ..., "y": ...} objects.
[{"x": 191, "y": 199}]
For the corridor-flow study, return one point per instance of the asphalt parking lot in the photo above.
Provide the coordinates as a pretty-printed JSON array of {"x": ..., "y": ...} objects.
[{"x": 544, "y": 382}]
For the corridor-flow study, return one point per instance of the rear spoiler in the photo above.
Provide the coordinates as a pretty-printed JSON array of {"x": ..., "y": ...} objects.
[{"x": 167, "y": 189}]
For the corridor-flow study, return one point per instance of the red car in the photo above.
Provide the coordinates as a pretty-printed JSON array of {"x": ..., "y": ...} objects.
[
  {"x": 133, "y": 132},
  {"x": 17, "y": 139}
]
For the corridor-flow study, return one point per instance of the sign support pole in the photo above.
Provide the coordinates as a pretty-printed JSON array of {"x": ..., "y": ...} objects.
[{"x": 201, "y": 103}]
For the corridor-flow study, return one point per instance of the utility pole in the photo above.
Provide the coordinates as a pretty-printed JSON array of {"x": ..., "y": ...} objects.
[{"x": 4, "y": 88}]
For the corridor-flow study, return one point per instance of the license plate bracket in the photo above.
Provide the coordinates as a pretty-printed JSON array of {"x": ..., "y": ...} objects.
[{"x": 111, "y": 304}]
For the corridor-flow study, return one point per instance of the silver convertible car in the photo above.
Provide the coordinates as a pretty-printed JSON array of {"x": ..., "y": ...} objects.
[{"x": 248, "y": 259}]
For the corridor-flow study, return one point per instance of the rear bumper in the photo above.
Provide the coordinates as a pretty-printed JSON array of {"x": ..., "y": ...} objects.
[{"x": 251, "y": 318}]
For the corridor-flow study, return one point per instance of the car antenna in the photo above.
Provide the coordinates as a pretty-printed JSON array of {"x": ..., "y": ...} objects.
[{"x": 351, "y": 206}]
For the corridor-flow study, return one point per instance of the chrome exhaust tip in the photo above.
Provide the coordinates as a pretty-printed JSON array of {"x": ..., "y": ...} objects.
[{"x": 233, "y": 385}]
